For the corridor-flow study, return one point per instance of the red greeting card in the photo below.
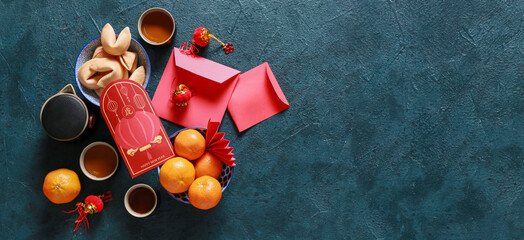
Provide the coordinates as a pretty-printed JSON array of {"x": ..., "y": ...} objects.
[{"x": 136, "y": 128}]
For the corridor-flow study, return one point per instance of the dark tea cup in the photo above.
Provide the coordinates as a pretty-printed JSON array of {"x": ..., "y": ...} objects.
[{"x": 140, "y": 200}]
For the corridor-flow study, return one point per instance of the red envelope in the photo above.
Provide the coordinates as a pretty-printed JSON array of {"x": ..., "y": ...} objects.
[
  {"x": 211, "y": 85},
  {"x": 141, "y": 139},
  {"x": 256, "y": 98}
]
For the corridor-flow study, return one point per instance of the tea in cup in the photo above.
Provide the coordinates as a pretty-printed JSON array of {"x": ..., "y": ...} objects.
[
  {"x": 99, "y": 161},
  {"x": 140, "y": 200},
  {"x": 156, "y": 26}
]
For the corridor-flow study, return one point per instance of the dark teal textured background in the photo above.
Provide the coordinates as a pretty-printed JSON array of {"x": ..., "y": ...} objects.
[{"x": 405, "y": 120}]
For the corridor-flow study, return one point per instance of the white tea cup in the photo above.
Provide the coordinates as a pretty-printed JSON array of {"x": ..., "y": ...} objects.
[
  {"x": 82, "y": 161},
  {"x": 128, "y": 205}
]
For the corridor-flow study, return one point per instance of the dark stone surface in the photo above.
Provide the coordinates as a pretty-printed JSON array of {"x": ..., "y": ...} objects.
[{"x": 405, "y": 120}]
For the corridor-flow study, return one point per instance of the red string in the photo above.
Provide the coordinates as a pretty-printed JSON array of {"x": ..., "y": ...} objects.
[
  {"x": 82, "y": 218},
  {"x": 83, "y": 210},
  {"x": 107, "y": 196},
  {"x": 228, "y": 48},
  {"x": 188, "y": 49}
]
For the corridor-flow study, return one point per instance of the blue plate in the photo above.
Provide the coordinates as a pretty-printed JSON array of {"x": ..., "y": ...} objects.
[
  {"x": 225, "y": 176},
  {"x": 87, "y": 53}
]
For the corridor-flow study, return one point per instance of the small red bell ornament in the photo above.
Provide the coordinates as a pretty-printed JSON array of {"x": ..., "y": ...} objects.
[
  {"x": 92, "y": 204},
  {"x": 181, "y": 95},
  {"x": 201, "y": 37}
]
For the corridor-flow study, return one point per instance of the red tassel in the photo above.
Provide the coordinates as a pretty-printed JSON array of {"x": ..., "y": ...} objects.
[
  {"x": 188, "y": 49},
  {"x": 106, "y": 197},
  {"x": 201, "y": 37},
  {"x": 82, "y": 218},
  {"x": 92, "y": 204}
]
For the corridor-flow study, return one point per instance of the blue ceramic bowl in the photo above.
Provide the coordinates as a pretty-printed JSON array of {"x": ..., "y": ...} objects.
[
  {"x": 225, "y": 176},
  {"x": 87, "y": 53}
]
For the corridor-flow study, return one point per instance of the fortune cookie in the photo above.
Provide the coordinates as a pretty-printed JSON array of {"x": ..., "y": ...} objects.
[
  {"x": 100, "y": 53},
  {"x": 139, "y": 75},
  {"x": 125, "y": 74},
  {"x": 99, "y": 91},
  {"x": 98, "y": 72},
  {"x": 113, "y": 45},
  {"x": 88, "y": 78},
  {"x": 129, "y": 60}
]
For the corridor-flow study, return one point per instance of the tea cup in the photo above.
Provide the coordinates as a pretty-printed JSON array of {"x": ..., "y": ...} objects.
[
  {"x": 128, "y": 200},
  {"x": 153, "y": 19},
  {"x": 85, "y": 170}
]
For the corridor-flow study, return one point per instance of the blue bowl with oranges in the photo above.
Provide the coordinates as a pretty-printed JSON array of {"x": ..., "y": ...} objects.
[{"x": 225, "y": 176}]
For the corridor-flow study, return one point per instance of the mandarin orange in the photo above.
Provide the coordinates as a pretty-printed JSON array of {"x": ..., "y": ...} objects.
[
  {"x": 205, "y": 192},
  {"x": 208, "y": 165},
  {"x": 61, "y": 186},
  {"x": 190, "y": 144},
  {"x": 177, "y": 174}
]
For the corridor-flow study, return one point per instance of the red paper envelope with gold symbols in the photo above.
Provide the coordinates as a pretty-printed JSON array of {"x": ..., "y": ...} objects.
[{"x": 137, "y": 130}]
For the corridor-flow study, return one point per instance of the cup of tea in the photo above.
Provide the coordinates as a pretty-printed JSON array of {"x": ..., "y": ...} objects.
[
  {"x": 156, "y": 26},
  {"x": 64, "y": 116},
  {"x": 140, "y": 200},
  {"x": 99, "y": 161}
]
